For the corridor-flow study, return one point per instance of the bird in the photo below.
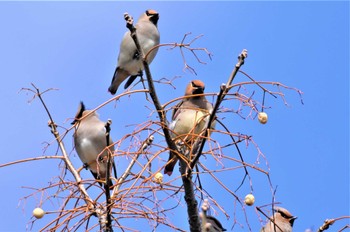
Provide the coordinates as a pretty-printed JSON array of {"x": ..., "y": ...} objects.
[
  {"x": 129, "y": 60},
  {"x": 283, "y": 219},
  {"x": 215, "y": 225},
  {"x": 189, "y": 118},
  {"x": 90, "y": 140}
]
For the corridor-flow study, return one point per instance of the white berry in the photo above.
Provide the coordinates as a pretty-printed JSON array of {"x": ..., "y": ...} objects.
[
  {"x": 249, "y": 199},
  {"x": 158, "y": 178},
  {"x": 38, "y": 213},
  {"x": 262, "y": 117}
]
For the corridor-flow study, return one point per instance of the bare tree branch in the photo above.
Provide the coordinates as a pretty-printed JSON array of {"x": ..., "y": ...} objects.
[
  {"x": 152, "y": 90},
  {"x": 105, "y": 217},
  {"x": 144, "y": 146},
  {"x": 199, "y": 145},
  {"x": 66, "y": 159},
  {"x": 137, "y": 188},
  {"x": 31, "y": 159},
  {"x": 328, "y": 222}
]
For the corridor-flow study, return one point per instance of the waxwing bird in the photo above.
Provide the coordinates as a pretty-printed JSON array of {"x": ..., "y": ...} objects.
[
  {"x": 129, "y": 60},
  {"x": 215, "y": 225},
  {"x": 90, "y": 140},
  {"x": 283, "y": 219},
  {"x": 189, "y": 118}
]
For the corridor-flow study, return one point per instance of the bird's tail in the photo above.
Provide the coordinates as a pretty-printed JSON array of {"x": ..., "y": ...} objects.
[
  {"x": 169, "y": 168},
  {"x": 119, "y": 76},
  {"x": 130, "y": 81}
]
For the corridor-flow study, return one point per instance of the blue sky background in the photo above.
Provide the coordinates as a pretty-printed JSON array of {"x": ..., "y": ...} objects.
[{"x": 73, "y": 46}]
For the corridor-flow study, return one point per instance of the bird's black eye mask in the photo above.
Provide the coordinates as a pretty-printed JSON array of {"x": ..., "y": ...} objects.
[
  {"x": 288, "y": 217},
  {"x": 284, "y": 215},
  {"x": 196, "y": 86},
  {"x": 198, "y": 89},
  {"x": 153, "y": 16}
]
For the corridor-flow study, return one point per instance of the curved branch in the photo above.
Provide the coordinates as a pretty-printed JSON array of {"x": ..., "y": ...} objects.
[
  {"x": 329, "y": 222},
  {"x": 66, "y": 159},
  {"x": 199, "y": 145},
  {"x": 31, "y": 159},
  {"x": 152, "y": 90}
]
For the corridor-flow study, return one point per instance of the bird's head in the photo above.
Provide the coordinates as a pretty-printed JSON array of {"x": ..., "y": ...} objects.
[
  {"x": 82, "y": 112},
  {"x": 195, "y": 87},
  {"x": 284, "y": 215},
  {"x": 150, "y": 15}
]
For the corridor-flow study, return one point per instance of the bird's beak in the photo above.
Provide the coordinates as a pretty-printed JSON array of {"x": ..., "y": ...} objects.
[{"x": 292, "y": 220}]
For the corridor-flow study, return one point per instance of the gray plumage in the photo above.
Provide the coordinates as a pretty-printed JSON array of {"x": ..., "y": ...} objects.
[
  {"x": 283, "y": 219},
  {"x": 189, "y": 118},
  {"x": 129, "y": 60},
  {"x": 90, "y": 140}
]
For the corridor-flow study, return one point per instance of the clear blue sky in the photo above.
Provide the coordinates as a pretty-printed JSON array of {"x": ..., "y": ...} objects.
[{"x": 73, "y": 46}]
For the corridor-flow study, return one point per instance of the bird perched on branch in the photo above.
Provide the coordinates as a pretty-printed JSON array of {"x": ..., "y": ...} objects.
[
  {"x": 189, "y": 119},
  {"x": 129, "y": 59},
  {"x": 283, "y": 219},
  {"x": 91, "y": 142}
]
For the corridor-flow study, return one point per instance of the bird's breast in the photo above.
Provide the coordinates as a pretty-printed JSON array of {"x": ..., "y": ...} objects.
[
  {"x": 87, "y": 150},
  {"x": 189, "y": 121}
]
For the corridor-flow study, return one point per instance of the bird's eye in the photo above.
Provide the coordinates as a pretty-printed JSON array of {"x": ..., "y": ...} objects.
[
  {"x": 284, "y": 215},
  {"x": 196, "y": 86}
]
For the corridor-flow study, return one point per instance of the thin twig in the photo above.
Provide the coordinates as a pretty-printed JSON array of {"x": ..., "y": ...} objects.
[
  {"x": 240, "y": 156},
  {"x": 143, "y": 147},
  {"x": 271, "y": 219},
  {"x": 329, "y": 222},
  {"x": 69, "y": 165},
  {"x": 257, "y": 83},
  {"x": 31, "y": 159},
  {"x": 223, "y": 91}
]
